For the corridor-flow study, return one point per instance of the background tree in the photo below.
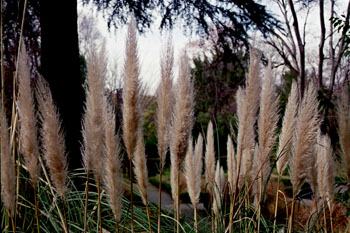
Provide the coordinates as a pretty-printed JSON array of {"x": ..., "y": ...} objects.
[{"x": 55, "y": 40}]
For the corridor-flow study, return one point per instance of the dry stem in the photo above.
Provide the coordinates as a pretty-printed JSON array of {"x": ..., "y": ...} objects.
[
  {"x": 86, "y": 201},
  {"x": 99, "y": 204}
]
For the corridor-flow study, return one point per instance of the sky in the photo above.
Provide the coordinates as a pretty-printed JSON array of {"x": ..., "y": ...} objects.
[{"x": 152, "y": 42}]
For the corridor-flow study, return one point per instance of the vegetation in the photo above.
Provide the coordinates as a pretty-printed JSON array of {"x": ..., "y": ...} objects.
[{"x": 275, "y": 173}]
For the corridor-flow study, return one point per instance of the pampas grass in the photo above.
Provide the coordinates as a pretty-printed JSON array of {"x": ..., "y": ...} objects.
[
  {"x": 231, "y": 165},
  {"x": 53, "y": 142},
  {"x": 343, "y": 112},
  {"x": 232, "y": 175},
  {"x": 131, "y": 108},
  {"x": 164, "y": 102},
  {"x": 247, "y": 108},
  {"x": 219, "y": 188},
  {"x": 303, "y": 142},
  {"x": 193, "y": 174},
  {"x": 113, "y": 177},
  {"x": 164, "y": 112},
  {"x": 288, "y": 127},
  {"x": 210, "y": 158},
  {"x": 325, "y": 170},
  {"x": 93, "y": 126},
  {"x": 52, "y": 137},
  {"x": 8, "y": 175},
  {"x": 304, "y": 139},
  {"x": 182, "y": 123},
  {"x": 267, "y": 124},
  {"x": 286, "y": 137},
  {"x": 141, "y": 172},
  {"x": 28, "y": 122}
]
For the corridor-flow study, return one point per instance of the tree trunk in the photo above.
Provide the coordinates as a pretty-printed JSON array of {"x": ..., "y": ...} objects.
[
  {"x": 301, "y": 47},
  {"x": 322, "y": 40},
  {"x": 60, "y": 67}
]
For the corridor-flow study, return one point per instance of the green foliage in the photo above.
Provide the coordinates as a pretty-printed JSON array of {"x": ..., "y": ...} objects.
[{"x": 340, "y": 24}]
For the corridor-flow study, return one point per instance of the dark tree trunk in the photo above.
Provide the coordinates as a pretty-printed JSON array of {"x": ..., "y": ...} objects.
[{"x": 60, "y": 67}]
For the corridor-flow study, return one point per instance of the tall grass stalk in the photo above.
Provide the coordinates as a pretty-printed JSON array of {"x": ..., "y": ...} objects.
[
  {"x": 53, "y": 140},
  {"x": 303, "y": 143},
  {"x": 285, "y": 139},
  {"x": 163, "y": 114},
  {"x": 247, "y": 108},
  {"x": 193, "y": 172},
  {"x": 28, "y": 124},
  {"x": 99, "y": 204},
  {"x": 131, "y": 102},
  {"x": 93, "y": 122},
  {"x": 113, "y": 177},
  {"x": 141, "y": 172},
  {"x": 182, "y": 123},
  {"x": 86, "y": 201}
]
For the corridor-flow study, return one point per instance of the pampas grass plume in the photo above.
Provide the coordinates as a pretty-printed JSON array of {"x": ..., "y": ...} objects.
[
  {"x": 164, "y": 102},
  {"x": 182, "y": 123},
  {"x": 93, "y": 126},
  {"x": 113, "y": 178},
  {"x": 231, "y": 164},
  {"x": 8, "y": 175},
  {"x": 325, "y": 169},
  {"x": 193, "y": 170},
  {"x": 210, "y": 158},
  {"x": 247, "y": 108},
  {"x": 140, "y": 167},
  {"x": 28, "y": 123},
  {"x": 52, "y": 137},
  {"x": 267, "y": 124},
  {"x": 219, "y": 187},
  {"x": 288, "y": 127},
  {"x": 304, "y": 138},
  {"x": 131, "y": 91},
  {"x": 183, "y": 116}
]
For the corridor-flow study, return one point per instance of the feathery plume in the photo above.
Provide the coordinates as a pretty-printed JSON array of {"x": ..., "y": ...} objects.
[
  {"x": 288, "y": 127},
  {"x": 210, "y": 158},
  {"x": 28, "y": 122},
  {"x": 8, "y": 175},
  {"x": 52, "y": 137},
  {"x": 113, "y": 178},
  {"x": 140, "y": 167},
  {"x": 131, "y": 92},
  {"x": 247, "y": 108},
  {"x": 343, "y": 112},
  {"x": 304, "y": 138},
  {"x": 219, "y": 187},
  {"x": 193, "y": 170},
  {"x": 325, "y": 169},
  {"x": 183, "y": 117},
  {"x": 93, "y": 126},
  {"x": 267, "y": 123},
  {"x": 182, "y": 123},
  {"x": 231, "y": 164},
  {"x": 164, "y": 102}
]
